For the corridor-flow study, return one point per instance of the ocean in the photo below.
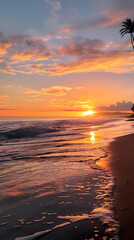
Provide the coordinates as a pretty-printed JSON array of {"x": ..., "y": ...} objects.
[{"x": 49, "y": 178}]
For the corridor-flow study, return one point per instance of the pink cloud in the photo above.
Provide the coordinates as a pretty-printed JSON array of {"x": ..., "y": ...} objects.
[
  {"x": 112, "y": 18},
  {"x": 108, "y": 18},
  {"x": 43, "y": 56},
  {"x": 80, "y": 48}
]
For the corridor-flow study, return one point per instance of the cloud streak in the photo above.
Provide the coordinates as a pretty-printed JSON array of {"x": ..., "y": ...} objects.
[
  {"x": 71, "y": 105},
  {"x": 55, "y": 91}
]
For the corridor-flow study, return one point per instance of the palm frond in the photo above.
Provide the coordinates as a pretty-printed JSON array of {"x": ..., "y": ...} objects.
[
  {"x": 123, "y": 31},
  {"x": 128, "y": 27}
]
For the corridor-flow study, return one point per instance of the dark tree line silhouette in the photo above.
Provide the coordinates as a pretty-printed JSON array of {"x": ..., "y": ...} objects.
[{"x": 132, "y": 108}]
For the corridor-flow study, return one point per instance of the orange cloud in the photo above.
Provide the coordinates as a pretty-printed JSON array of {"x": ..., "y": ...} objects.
[
  {"x": 71, "y": 105},
  {"x": 29, "y": 91},
  {"x": 79, "y": 88},
  {"x": 67, "y": 29},
  {"x": 4, "y": 46},
  {"x": 55, "y": 90},
  {"x": 4, "y": 96},
  {"x": 7, "y": 70},
  {"x": 24, "y": 55},
  {"x": 92, "y": 56},
  {"x": 93, "y": 60},
  {"x": 86, "y": 55},
  {"x": 43, "y": 56},
  {"x": 105, "y": 64}
]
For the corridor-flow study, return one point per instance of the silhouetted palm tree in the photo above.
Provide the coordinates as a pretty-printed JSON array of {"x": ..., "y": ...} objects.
[{"x": 128, "y": 27}]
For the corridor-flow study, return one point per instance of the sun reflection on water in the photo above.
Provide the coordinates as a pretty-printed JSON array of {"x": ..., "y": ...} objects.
[{"x": 92, "y": 137}]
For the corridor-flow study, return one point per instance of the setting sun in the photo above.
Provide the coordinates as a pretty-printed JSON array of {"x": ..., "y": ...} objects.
[{"x": 89, "y": 112}]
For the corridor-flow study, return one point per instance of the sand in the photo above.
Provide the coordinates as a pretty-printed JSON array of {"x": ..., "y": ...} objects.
[{"x": 121, "y": 163}]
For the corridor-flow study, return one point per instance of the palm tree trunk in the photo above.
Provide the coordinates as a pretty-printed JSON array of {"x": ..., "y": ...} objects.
[{"x": 132, "y": 40}]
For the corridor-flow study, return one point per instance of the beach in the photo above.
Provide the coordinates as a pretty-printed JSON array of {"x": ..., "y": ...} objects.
[
  {"x": 58, "y": 179},
  {"x": 121, "y": 163}
]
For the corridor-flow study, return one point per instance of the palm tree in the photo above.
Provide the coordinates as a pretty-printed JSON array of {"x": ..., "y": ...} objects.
[{"x": 128, "y": 27}]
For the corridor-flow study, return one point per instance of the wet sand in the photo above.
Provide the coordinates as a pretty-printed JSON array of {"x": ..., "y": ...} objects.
[
  {"x": 121, "y": 163},
  {"x": 66, "y": 214},
  {"x": 81, "y": 230}
]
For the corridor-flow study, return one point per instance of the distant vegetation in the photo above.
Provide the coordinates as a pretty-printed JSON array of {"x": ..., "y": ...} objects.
[{"x": 132, "y": 108}]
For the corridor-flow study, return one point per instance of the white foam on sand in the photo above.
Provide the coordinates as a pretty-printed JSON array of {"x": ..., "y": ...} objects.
[
  {"x": 75, "y": 218},
  {"x": 105, "y": 213},
  {"x": 61, "y": 225},
  {"x": 34, "y": 236},
  {"x": 42, "y": 233}
]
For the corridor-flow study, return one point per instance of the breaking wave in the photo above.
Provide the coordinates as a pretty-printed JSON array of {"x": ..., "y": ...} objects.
[{"x": 27, "y": 132}]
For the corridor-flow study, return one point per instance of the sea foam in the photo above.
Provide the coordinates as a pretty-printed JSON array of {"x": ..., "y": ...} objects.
[{"x": 34, "y": 236}]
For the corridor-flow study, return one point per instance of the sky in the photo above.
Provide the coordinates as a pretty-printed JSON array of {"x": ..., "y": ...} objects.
[{"x": 65, "y": 57}]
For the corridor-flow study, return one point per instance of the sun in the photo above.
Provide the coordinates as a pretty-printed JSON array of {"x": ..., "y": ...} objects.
[{"x": 89, "y": 112}]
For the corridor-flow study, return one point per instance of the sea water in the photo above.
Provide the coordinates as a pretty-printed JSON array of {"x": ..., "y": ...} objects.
[{"x": 48, "y": 174}]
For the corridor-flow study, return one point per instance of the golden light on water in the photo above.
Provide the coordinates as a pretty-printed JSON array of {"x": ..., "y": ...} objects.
[{"x": 92, "y": 137}]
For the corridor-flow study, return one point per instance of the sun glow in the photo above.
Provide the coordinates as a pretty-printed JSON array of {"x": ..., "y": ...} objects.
[{"x": 89, "y": 112}]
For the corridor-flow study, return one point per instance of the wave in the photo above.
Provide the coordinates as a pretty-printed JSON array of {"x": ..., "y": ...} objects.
[
  {"x": 27, "y": 132},
  {"x": 18, "y": 130}
]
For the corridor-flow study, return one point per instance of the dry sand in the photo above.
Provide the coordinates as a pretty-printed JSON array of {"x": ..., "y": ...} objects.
[{"x": 121, "y": 163}]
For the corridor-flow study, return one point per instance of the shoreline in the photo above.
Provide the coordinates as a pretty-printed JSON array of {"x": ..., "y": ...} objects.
[
  {"x": 82, "y": 199},
  {"x": 120, "y": 162}
]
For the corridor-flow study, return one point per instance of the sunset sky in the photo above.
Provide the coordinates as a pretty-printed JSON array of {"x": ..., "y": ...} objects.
[{"x": 64, "y": 57}]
